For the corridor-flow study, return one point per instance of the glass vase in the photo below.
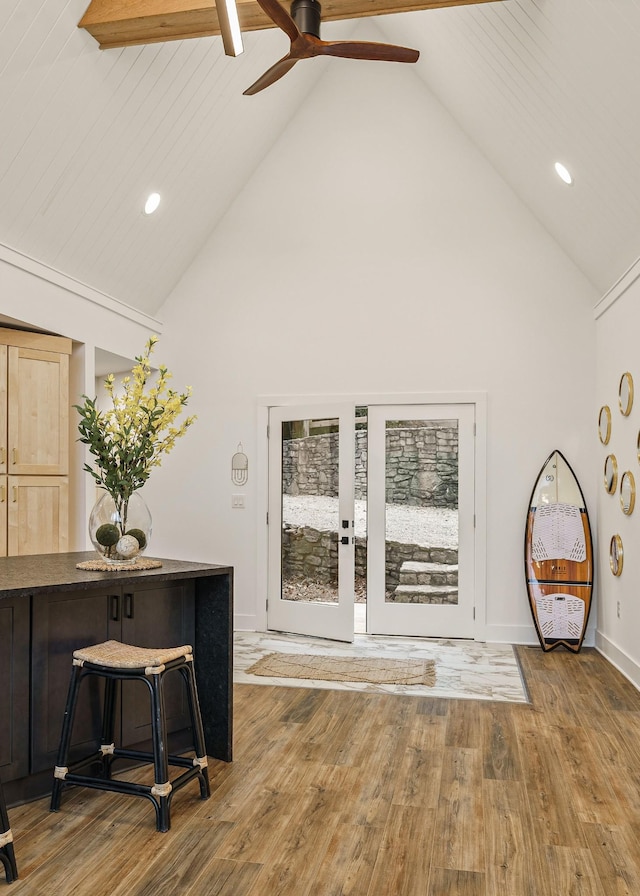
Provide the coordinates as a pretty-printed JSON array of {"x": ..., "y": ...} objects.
[{"x": 120, "y": 531}]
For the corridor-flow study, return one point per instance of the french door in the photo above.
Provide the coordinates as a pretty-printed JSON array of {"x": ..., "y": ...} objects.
[
  {"x": 420, "y": 520},
  {"x": 415, "y": 512},
  {"x": 311, "y": 529}
]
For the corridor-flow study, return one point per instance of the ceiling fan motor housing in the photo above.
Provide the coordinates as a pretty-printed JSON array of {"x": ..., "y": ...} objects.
[{"x": 306, "y": 14}]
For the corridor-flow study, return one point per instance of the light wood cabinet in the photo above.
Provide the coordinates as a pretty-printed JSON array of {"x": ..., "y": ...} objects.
[
  {"x": 34, "y": 442},
  {"x": 37, "y": 514},
  {"x": 38, "y": 412},
  {"x": 3, "y": 516}
]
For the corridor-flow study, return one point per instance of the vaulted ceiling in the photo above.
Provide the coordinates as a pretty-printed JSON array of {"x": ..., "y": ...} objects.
[{"x": 88, "y": 133}]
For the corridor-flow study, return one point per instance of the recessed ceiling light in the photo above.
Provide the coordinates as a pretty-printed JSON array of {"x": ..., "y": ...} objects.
[
  {"x": 152, "y": 203},
  {"x": 563, "y": 173}
]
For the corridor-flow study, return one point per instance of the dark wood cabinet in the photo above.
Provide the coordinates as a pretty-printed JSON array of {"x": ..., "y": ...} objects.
[
  {"x": 49, "y": 607},
  {"x": 61, "y": 624},
  {"x": 160, "y": 616},
  {"x": 14, "y": 689}
]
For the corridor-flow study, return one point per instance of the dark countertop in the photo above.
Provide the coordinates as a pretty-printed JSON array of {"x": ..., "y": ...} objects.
[{"x": 22, "y": 576}]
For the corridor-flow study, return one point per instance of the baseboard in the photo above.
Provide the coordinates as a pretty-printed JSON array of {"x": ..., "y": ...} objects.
[
  {"x": 526, "y": 635},
  {"x": 618, "y": 658},
  {"x": 246, "y": 623}
]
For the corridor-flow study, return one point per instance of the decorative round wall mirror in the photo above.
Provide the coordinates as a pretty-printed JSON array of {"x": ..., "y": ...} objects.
[
  {"x": 627, "y": 492},
  {"x": 604, "y": 426},
  {"x": 611, "y": 474},
  {"x": 625, "y": 394},
  {"x": 616, "y": 555}
]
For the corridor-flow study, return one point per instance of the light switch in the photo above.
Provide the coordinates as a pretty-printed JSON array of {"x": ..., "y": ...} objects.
[{"x": 237, "y": 502}]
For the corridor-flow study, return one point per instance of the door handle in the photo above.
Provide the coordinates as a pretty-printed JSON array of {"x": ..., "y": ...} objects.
[
  {"x": 115, "y": 608},
  {"x": 128, "y": 606}
]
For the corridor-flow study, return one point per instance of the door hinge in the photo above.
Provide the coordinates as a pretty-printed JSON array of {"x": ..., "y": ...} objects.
[
  {"x": 474, "y": 614},
  {"x": 267, "y": 517},
  {"x": 474, "y": 429},
  {"x": 268, "y": 431},
  {"x": 474, "y": 520}
]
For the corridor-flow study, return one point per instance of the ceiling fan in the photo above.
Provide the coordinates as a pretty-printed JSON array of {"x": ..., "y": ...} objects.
[{"x": 302, "y": 28}]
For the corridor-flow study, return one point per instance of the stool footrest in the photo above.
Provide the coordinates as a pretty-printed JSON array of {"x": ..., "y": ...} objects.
[{"x": 118, "y": 786}]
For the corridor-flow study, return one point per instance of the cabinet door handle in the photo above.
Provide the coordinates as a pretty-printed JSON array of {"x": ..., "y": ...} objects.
[
  {"x": 3, "y": 454},
  {"x": 115, "y": 608},
  {"x": 14, "y": 489},
  {"x": 128, "y": 606},
  {"x": 14, "y": 455},
  {"x": 3, "y": 495}
]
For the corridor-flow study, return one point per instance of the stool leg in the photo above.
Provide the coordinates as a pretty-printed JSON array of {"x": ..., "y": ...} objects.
[
  {"x": 8, "y": 859},
  {"x": 108, "y": 724},
  {"x": 7, "y": 854},
  {"x": 65, "y": 737},
  {"x": 162, "y": 787},
  {"x": 189, "y": 677}
]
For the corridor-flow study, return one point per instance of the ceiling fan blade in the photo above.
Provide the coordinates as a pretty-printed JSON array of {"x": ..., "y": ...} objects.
[
  {"x": 350, "y": 49},
  {"x": 280, "y": 17},
  {"x": 272, "y": 75}
]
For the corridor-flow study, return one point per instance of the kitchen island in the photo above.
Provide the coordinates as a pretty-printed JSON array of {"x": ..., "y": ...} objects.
[{"x": 49, "y": 608}]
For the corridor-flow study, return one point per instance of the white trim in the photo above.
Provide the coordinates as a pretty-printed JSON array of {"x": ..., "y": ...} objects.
[
  {"x": 262, "y": 508},
  {"x": 362, "y": 399},
  {"x": 51, "y": 275},
  {"x": 244, "y": 622},
  {"x": 618, "y": 658},
  {"x": 479, "y": 399},
  {"x": 618, "y": 289},
  {"x": 525, "y": 635}
]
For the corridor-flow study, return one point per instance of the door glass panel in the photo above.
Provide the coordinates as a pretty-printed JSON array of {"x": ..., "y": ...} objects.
[
  {"x": 421, "y": 512},
  {"x": 360, "y": 520},
  {"x": 310, "y": 510}
]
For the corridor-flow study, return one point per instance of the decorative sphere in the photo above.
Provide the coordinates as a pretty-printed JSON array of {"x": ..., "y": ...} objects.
[
  {"x": 139, "y": 536},
  {"x": 107, "y": 534},
  {"x": 128, "y": 547}
]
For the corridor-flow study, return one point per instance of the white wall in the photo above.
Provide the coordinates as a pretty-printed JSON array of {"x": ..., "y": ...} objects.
[
  {"x": 617, "y": 329},
  {"x": 375, "y": 250},
  {"x": 37, "y": 296}
]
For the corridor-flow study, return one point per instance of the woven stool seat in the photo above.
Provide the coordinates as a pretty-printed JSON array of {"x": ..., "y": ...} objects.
[
  {"x": 115, "y": 655},
  {"x": 116, "y": 662}
]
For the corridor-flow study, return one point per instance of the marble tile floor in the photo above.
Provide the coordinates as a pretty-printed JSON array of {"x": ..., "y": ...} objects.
[{"x": 464, "y": 669}]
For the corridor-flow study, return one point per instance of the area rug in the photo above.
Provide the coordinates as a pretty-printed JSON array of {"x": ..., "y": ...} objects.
[{"x": 313, "y": 667}]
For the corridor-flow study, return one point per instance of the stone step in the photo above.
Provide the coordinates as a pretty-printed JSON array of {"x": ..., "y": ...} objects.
[
  {"x": 425, "y": 594},
  {"x": 414, "y": 573}
]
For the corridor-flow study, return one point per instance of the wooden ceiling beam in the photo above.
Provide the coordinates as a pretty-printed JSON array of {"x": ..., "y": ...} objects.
[{"x": 124, "y": 23}]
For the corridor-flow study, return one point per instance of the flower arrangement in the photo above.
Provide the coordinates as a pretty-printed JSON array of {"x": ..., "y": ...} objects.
[{"x": 128, "y": 440}]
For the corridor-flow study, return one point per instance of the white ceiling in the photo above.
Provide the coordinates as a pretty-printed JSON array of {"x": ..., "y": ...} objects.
[{"x": 87, "y": 134}]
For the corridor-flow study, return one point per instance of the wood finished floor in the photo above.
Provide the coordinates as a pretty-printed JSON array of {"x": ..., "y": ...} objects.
[{"x": 334, "y": 793}]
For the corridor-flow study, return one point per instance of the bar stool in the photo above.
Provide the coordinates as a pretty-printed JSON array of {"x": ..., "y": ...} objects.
[
  {"x": 116, "y": 662},
  {"x": 7, "y": 855}
]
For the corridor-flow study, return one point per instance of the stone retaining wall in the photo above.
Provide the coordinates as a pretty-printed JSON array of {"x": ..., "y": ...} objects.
[
  {"x": 313, "y": 555},
  {"x": 422, "y": 465}
]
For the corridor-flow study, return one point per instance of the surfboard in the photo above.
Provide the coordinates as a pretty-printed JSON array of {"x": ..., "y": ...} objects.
[{"x": 558, "y": 556}]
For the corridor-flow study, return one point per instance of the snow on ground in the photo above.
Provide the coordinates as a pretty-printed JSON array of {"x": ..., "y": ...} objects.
[{"x": 433, "y": 527}]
